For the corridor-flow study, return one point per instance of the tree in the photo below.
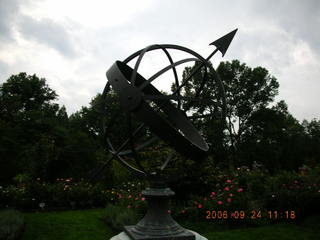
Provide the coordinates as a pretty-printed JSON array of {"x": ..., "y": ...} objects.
[
  {"x": 29, "y": 122},
  {"x": 273, "y": 137},
  {"x": 246, "y": 91},
  {"x": 87, "y": 123},
  {"x": 312, "y": 142},
  {"x": 23, "y": 93}
]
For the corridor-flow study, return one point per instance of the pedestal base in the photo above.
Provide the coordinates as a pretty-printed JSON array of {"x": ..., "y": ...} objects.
[
  {"x": 158, "y": 224},
  {"x": 124, "y": 236}
]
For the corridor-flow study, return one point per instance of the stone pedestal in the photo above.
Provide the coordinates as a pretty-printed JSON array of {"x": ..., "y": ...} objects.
[
  {"x": 157, "y": 224},
  {"x": 124, "y": 236}
]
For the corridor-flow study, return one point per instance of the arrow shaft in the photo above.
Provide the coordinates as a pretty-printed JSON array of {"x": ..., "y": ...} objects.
[
  {"x": 213, "y": 53},
  {"x": 195, "y": 71}
]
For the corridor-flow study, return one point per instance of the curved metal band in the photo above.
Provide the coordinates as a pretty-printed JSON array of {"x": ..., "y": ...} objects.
[
  {"x": 169, "y": 46},
  {"x": 177, "y": 130},
  {"x": 141, "y": 54}
]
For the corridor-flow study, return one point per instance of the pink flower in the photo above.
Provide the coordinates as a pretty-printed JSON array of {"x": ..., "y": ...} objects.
[
  {"x": 136, "y": 199},
  {"x": 169, "y": 211},
  {"x": 229, "y": 200},
  {"x": 140, "y": 194},
  {"x": 220, "y": 202},
  {"x": 213, "y": 193},
  {"x": 142, "y": 199},
  {"x": 230, "y": 195},
  {"x": 119, "y": 196},
  {"x": 130, "y": 196},
  {"x": 129, "y": 206},
  {"x": 227, "y": 188},
  {"x": 183, "y": 211},
  {"x": 199, "y": 206},
  {"x": 240, "y": 190},
  {"x": 229, "y": 181},
  {"x": 205, "y": 199}
]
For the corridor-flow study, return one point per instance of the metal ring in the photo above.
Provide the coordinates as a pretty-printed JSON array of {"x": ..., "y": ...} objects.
[{"x": 177, "y": 130}]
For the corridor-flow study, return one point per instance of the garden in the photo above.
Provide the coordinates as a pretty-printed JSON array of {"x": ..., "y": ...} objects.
[
  {"x": 261, "y": 178},
  {"x": 249, "y": 199}
]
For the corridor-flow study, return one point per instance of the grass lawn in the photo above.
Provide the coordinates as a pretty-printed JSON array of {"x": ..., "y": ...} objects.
[
  {"x": 86, "y": 225},
  {"x": 66, "y": 225}
]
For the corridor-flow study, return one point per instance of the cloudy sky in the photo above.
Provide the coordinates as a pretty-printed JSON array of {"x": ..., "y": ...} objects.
[{"x": 72, "y": 43}]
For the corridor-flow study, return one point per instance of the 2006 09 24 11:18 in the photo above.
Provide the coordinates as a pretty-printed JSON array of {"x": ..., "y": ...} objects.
[{"x": 253, "y": 214}]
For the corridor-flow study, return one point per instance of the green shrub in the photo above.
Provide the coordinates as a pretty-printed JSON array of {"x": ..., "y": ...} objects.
[
  {"x": 291, "y": 191},
  {"x": 118, "y": 217},
  {"x": 11, "y": 224},
  {"x": 64, "y": 193}
]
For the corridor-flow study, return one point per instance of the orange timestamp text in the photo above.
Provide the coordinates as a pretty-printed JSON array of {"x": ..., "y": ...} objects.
[{"x": 253, "y": 214}]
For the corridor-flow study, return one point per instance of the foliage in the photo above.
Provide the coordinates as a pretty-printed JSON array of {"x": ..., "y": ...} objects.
[
  {"x": 285, "y": 191},
  {"x": 64, "y": 193},
  {"x": 275, "y": 139},
  {"x": 290, "y": 191},
  {"x": 127, "y": 207},
  {"x": 247, "y": 90},
  {"x": 37, "y": 138},
  {"x": 118, "y": 217},
  {"x": 11, "y": 224}
]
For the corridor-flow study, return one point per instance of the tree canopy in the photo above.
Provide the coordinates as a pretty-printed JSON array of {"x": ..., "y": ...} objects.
[{"x": 38, "y": 138}]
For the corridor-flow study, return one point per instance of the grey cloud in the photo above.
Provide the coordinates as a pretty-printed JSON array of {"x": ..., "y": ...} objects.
[
  {"x": 47, "y": 32},
  {"x": 3, "y": 71},
  {"x": 299, "y": 18},
  {"x": 8, "y": 13}
]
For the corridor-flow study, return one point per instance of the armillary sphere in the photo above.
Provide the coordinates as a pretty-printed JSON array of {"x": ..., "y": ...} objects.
[{"x": 161, "y": 116}]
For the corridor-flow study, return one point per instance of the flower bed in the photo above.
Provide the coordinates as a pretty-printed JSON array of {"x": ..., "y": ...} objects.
[
  {"x": 64, "y": 193},
  {"x": 243, "y": 190}
]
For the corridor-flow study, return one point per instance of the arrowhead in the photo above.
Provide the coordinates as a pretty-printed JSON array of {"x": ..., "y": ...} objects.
[{"x": 223, "y": 43}]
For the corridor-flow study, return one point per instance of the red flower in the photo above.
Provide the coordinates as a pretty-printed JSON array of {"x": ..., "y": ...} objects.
[
  {"x": 199, "y": 206},
  {"x": 220, "y": 202},
  {"x": 240, "y": 190},
  {"x": 229, "y": 181},
  {"x": 227, "y": 188}
]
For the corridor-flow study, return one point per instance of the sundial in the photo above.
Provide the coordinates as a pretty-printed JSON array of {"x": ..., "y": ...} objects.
[{"x": 162, "y": 117}]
